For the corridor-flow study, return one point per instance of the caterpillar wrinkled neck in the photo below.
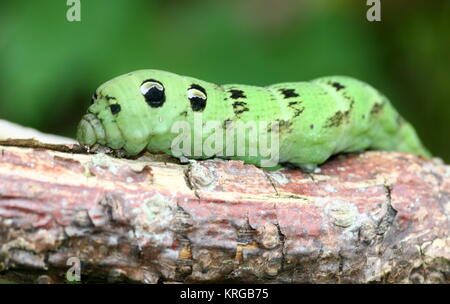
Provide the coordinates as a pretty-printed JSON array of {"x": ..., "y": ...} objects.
[{"x": 91, "y": 131}]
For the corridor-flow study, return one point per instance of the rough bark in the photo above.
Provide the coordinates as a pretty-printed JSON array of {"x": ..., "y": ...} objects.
[{"x": 378, "y": 217}]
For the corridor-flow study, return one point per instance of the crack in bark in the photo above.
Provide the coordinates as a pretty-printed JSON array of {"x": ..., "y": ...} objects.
[
  {"x": 189, "y": 183},
  {"x": 283, "y": 242},
  {"x": 271, "y": 182},
  {"x": 188, "y": 179},
  {"x": 185, "y": 260},
  {"x": 341, "y": 263},
  {"x": 386, "y": 222},
  {"x": 311, "y": 176}
]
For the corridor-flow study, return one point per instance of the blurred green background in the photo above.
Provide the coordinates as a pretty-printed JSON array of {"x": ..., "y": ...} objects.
[{"x": 49, "y": 67}]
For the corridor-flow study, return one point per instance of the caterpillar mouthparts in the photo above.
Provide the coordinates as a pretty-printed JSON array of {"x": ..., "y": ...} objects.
[{"x": 91, "y": 131}]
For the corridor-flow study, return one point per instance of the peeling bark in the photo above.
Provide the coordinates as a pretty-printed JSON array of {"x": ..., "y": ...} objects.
[{"x": 379, "y": 217}]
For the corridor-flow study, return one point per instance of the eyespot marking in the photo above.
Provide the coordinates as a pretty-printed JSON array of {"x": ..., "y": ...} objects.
[
  {"x": 197, "y": 96},
  {"x": 115, "y": 108},
  {"x": 153, "y": 92},
  {"x": 198, "y": 87}
]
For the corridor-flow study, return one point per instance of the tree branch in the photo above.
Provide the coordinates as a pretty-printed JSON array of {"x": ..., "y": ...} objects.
[{"x": 370, "y": 217}]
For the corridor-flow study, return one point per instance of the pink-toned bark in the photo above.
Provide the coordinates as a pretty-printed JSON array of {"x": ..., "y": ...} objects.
[{"x": 370, "y": 217}]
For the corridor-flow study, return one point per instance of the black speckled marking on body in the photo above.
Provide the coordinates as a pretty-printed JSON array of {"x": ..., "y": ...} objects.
[
  {"x": 198, "y": 104},
  {"x": 295, "y": 105},
  {"x": 239, "y": 107},
  {"x": 340, "y": 117},
  {"x": 288, "y": 93},
  {"x": 349, "y": 98},
  {"x": 115, "y": 108},
  {"x": 336, "y": 85},
  {"x": 184, "y": 113},
  {"x": 337, "y": 119},
  {"x": 284, "y": 126},
  {"x": 377, "y": 108},
  {"x": 352, "y": 103},
  {"x": 108, "y": 98},
  {"x": 298, "y": 111},
  {"x": 236, "y": 94}
]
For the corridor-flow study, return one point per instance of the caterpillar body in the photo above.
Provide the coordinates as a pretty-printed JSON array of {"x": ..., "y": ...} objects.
[{"x": 315, "y": 119}]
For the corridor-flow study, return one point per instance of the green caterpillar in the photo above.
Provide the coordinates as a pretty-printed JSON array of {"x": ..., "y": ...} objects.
[{"x": 313, "y": 120}]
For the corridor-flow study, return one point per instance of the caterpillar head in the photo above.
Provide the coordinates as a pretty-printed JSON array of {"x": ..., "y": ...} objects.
[{"x": 130, "y": 111}]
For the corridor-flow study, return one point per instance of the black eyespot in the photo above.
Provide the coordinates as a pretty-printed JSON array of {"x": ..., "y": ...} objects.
[
  {"x": 153, "y": 92},
  {"x": 115, "y": 108},
  {"x": 197, "y": 96}
]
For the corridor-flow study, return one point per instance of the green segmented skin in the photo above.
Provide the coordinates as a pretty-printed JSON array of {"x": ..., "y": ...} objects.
[{"x": 317, "y": 119}]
